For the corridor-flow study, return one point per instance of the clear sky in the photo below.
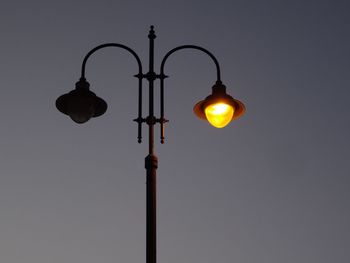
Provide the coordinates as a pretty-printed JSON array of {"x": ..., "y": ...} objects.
[{"x": 272, "y": 187}]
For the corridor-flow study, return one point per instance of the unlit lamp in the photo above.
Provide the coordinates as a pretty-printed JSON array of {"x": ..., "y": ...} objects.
[{"x": 81, "y": 104}]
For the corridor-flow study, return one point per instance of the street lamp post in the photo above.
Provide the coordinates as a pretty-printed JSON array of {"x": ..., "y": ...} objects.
[{"x": 218, "y": 108}]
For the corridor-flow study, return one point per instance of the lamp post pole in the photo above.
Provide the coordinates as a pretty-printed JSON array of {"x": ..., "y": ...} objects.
[
  {"x": 218, "y": 108},
  {"x": 151, "y": 164}
]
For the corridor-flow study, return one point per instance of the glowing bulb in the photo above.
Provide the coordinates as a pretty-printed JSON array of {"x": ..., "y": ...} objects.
[{"x": 219, "y": 114}]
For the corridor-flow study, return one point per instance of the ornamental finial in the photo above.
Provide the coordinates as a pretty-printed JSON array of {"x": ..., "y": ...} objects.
[{"x": 152, "y": 33}]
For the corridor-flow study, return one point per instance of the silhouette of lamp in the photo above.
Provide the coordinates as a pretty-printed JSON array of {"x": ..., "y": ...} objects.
[
  {"x": 81, "y": 104},
  {"x": 219, "y": 109}
]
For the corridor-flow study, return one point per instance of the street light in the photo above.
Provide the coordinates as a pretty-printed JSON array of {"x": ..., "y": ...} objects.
[{"x": 218, "y": 109}]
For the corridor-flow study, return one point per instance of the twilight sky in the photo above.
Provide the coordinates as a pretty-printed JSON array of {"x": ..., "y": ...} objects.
[{"x": 272, "y": 187}]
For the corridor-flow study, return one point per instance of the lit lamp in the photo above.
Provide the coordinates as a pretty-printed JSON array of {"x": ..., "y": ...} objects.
[{"x": 219, "y": 108}]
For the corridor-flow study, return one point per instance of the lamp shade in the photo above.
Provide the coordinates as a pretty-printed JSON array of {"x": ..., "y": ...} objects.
[
  {"x": 81, "y": 104},
  {"x": 219, "y": 108}
]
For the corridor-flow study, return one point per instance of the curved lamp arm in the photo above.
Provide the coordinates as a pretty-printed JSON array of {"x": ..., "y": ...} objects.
[
  {"x": 191, "y": 47},
  {"x": 163, "y": 76},
  {"x": 139, "y": 76},
  {"x": 92, "y": 51}
]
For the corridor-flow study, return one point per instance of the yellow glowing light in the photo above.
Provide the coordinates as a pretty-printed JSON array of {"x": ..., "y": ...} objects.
[{"x": 219, "y": 114}]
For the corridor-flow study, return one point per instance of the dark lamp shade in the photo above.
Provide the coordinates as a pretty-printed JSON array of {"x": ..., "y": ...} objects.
[{"x": 81, "y": 104}]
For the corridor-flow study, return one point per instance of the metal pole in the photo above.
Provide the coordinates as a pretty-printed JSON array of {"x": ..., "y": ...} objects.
[{"x": 151, "y": 164}]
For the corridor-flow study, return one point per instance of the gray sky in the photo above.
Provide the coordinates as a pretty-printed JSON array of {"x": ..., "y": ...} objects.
[{"x": 271, "y": 187}]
